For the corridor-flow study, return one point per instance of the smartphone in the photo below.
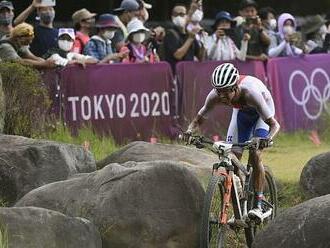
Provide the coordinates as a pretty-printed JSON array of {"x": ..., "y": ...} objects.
[
  {"x": 251, "y": 21},
  {"x": 229, "y": 32},
  {"x": 50, "y": 3}
]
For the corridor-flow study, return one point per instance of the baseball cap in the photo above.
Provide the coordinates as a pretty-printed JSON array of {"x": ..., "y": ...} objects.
[
  {"x": 82, "y": 14},
  {"x": 248, "y": 3},
  {"x": 68, "y": 31},
  {"x": 6, "y": 4},
  {"x": 128, "y": 5},
  {"x": 106, "y": 20}
]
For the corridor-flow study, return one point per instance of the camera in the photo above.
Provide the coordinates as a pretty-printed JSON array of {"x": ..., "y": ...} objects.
[{"x": 50, "y": 3}]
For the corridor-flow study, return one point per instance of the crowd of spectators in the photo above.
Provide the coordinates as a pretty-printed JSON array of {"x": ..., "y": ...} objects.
[{"x": 124, "y": 35}]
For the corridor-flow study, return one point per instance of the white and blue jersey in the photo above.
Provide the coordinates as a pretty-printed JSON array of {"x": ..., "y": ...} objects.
[{"x": 248, "y": 119}]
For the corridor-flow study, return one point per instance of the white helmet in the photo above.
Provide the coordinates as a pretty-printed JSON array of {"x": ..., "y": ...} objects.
[{"x": 224, "y": 76}]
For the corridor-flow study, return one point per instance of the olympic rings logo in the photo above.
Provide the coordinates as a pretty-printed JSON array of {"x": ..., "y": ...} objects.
[{"x": 311, "y": 91}]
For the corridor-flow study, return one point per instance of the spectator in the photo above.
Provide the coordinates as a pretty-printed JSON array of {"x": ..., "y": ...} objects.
[
  {"x": 317, "y": 35},
  {"x": 45, "y": 33},
  {"x": 268, "y": 20},
  {"x": 84, "y": 22},
  {"x": 136, "y": 36},
  {"x": 287, "y": 37},
  {"x": 6, "y": 18},
  {"x": 179, "y": 44},
  {"x": 128, "y": 10},
  {"x": 195, "y": 16},
  {"x": 15, "y": 48},
  {"x": 99, "y": 46},
  {"x": 259, "y": 42},
  {"x": 219, "y": 45},
  {"x": 61, "y": 53},
  {"x": 143, "y": 10}
]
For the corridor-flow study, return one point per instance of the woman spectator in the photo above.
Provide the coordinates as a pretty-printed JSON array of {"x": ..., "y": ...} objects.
[
  {"x": 99, "y": 46},
  {"x": 138, "y": 52},
  {"x": 317, "y": 35},
  {"x": 220, "y": 45},
  {"x": 284, "y": 42}
]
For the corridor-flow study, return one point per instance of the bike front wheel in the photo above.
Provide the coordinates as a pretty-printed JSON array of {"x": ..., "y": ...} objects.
[{"x": 212, "y": 233}]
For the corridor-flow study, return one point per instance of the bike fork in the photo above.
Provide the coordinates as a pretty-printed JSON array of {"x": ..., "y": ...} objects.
[{"x": 226, "y": 198}]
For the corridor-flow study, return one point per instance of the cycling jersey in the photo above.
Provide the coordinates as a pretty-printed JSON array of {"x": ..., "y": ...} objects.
[{"x": 247, "y": 118}]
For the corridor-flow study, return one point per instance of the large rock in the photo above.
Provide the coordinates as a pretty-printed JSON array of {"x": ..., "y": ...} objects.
[
  {"x": 315, "y": 177},
  {"x": 26, "y": 164},
  {"x": 151, "y": 204},
  {"x": 2, "y": 107},
  {"x": 198, "y": 161},
  {"x": 305, "y": 225},
  {"x": 40, "y": 228}
]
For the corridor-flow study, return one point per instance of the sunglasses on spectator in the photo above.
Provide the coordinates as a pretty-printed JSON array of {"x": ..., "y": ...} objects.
[{"x": 180, "y": 14}]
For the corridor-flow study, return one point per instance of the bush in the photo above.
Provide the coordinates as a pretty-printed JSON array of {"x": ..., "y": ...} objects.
[{"x": 26, "y": 99}]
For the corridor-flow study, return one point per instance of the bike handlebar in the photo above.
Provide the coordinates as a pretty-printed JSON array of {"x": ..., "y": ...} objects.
[{"x": 201, "y": 141}]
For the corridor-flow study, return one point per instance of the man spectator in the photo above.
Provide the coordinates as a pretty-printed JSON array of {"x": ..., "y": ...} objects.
[
  {"x": 179, "y": 44},
  {"x": 99, "y": 46},
  {"x": 83, "y": 22},
  {"x": 6, "y": 18},
  {"x": 259, "y": 42},
  {"x": 15, "y": 48},
  {"x": 128, "y": 10},
  {"x": 45, "y": 33},
  {"x": 62, "y": 54}
]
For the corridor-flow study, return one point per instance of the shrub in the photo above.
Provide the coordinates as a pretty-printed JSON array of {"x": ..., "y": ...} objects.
[{"x": 26, "y": 99}]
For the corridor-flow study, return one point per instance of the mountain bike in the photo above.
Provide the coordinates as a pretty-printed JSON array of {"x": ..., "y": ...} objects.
[{"x": 229, "y": 197}]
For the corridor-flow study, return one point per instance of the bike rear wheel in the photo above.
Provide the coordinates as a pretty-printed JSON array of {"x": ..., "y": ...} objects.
[{"x": 270, "y": 195}]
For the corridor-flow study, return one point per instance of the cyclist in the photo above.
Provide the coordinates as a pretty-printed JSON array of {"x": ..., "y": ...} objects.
[{"x": 252, "y": 117}]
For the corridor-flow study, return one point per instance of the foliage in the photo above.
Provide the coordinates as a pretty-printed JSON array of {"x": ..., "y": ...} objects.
[{"x": 26, "y": 99}]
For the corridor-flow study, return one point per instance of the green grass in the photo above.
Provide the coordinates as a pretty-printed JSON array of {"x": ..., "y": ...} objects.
[
  {"x": 286, "y": 159},
  {"x": 3, "y": 237},
  {"x": 99, "y": 146}
]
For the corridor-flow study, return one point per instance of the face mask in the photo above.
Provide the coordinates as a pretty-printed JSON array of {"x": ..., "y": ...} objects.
[
  {"x": 65, "y": 45},
  {"x": 323, "y": 29},
  {"x": 179, "y": 21},
  {"x": 197, "y": 16},
  {"x": 272, "y": 24},
  {"x": 109, "y": 35},
  {"x": 6, "y": 20},
  {"x": 139, "y": 37},
  {"x": 288, "y": 30},
  {"x": 47, "y": 17}
]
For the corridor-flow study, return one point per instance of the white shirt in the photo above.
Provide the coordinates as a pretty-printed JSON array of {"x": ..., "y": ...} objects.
[{"x": 224, "y": 49}]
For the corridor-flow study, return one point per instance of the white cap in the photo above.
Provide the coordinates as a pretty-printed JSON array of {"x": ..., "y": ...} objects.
[
  {"x": 136, "y": 25},
  {"x": 68, "y": 31}
]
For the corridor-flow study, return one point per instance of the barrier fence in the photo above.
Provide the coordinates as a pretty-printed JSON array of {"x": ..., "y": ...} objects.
[{"x": 138, "y": 101}]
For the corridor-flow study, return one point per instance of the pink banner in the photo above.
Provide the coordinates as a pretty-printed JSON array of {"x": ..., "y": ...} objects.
[
  {"x": 128, "y": 101},
  {"x": 301, "y": 90},
  {"x": 194, "y": 82}
]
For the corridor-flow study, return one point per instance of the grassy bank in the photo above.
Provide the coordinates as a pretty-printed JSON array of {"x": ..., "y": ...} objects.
[{"x": 99, "y": 146}]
